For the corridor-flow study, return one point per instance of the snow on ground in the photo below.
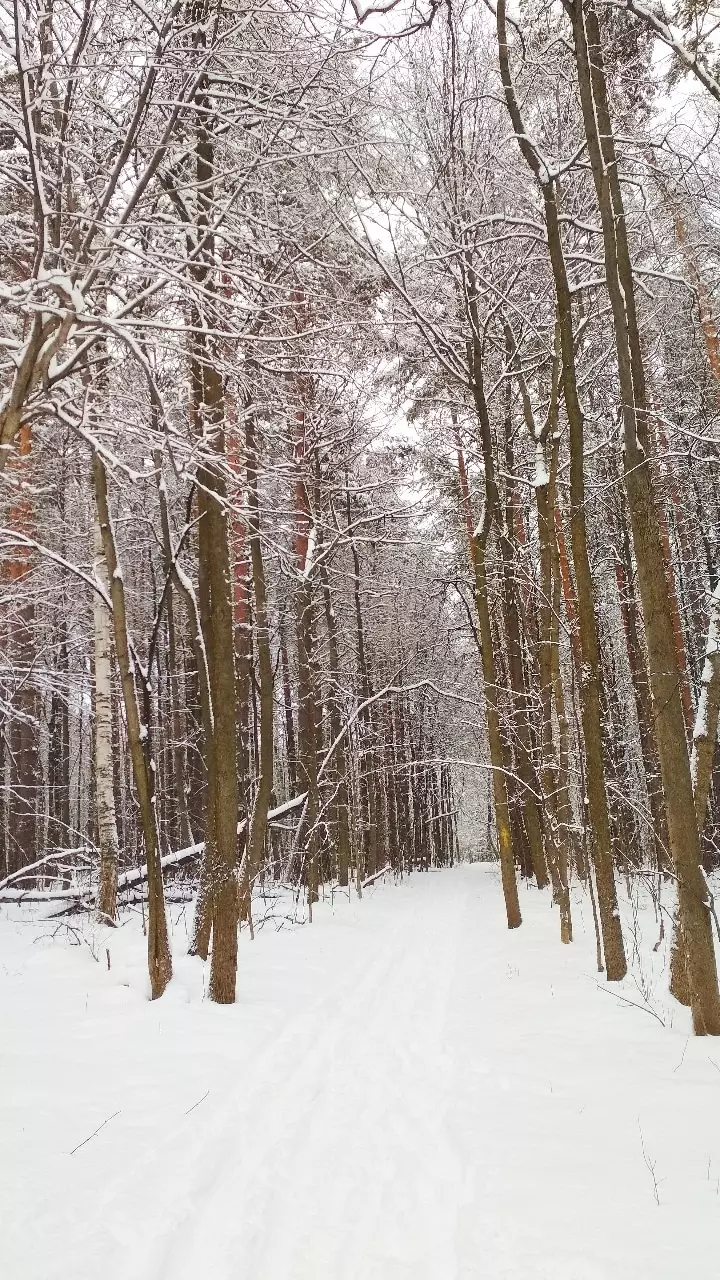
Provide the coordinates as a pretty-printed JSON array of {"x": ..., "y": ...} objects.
[{"x": 404, "y": 1091}]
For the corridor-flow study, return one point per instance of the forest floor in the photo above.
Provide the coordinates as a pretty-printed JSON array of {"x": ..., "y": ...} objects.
[{"x": 404, "y": 1091}]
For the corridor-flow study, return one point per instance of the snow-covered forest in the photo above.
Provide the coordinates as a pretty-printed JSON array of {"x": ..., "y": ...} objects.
[{"x": 359, "y": 639}]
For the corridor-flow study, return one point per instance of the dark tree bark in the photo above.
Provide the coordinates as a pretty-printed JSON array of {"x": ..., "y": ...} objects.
[
  {"x": 665, "y": 676},
  {"x": 615, "y": 961},
  {"x": 138, "y": 732}
]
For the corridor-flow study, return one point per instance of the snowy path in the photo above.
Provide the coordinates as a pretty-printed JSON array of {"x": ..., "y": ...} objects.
[{"x": 404, "y": 1091}]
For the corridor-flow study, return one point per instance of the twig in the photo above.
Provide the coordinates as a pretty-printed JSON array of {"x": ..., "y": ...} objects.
[
  {"x": 94, "y": 1134},
  {"x": 644, "y": 1007},
  {"x": 196, "y": 1104},
  {"x": 677, "y": 1068},
  {"x": 650, "y": 1166}
]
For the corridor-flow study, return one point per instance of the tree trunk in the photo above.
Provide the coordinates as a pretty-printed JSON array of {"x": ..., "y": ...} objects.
[
  {"x": 23, "y": 753},
  {"x": 258, "y": 823},
  {"x": 104, "y": 758},
  {"x": 665, "y": 676},
  {"x": 705, "y": 732},
  {"x": 217, "y": 907},
  {"x": 527, "y": 775},
  {"x": 643, "y": 697},
  {"x": 615, "y": 961},
  {"x": 288, "y": 708},
  {"x": 138, "y": 733},
  {"x": 339, "y": 769},
  {"x": 476, "y": 545},
  {"x": 176, "y": 715},
  {"x": 219, "y": 889},
  {"x": 556, "y": 841}
]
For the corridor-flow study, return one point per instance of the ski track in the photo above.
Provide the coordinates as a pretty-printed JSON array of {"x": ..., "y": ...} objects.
[{"x": 404, "y": 1091}]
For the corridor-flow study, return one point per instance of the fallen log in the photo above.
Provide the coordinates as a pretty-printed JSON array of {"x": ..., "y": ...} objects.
[{"x": 127, "y": 880}]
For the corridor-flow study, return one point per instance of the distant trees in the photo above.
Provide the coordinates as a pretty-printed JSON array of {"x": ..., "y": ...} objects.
[
  {"x": 460, "y": 234},
  {"x": 359, "y": 469}
]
